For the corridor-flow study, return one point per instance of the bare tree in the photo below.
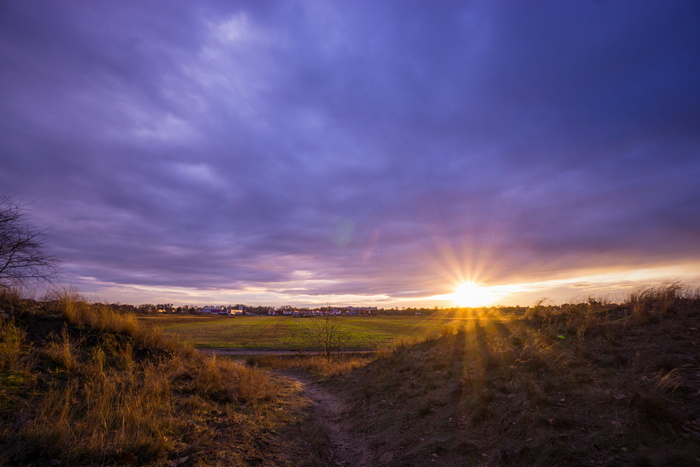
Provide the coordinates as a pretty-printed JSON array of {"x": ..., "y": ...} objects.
[
  {"x": 327, "y": 334},
  {"x": 22, "y": 255}
]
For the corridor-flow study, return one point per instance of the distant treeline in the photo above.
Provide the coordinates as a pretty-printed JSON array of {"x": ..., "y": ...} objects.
[{"x": 264, "y": 310}]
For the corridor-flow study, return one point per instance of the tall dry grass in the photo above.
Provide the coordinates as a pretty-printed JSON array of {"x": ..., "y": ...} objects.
[
  {"x": 103, "y": 414},
  {"x": 106, "y": 390},
  {"x": 79, "y": 312},
  {"x": 650, "y": 304},
  {"x": 62, "y": 350}
]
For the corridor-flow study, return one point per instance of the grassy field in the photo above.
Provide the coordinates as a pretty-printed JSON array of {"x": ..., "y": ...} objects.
[{"x": 282, "y": 332}]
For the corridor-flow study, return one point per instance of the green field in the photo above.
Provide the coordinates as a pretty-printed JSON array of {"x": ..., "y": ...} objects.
[{"x": 282, "y": 332}]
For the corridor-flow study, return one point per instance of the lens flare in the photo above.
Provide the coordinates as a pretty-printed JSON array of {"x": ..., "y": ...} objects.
[{"x": 471, "y": 294}]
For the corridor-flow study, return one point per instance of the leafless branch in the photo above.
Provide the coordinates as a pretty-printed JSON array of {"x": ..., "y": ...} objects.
[{"x": 23, "y": 257}]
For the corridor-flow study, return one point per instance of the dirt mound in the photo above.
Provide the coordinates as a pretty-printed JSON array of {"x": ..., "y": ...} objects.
[{"x": 567, "y": 387}]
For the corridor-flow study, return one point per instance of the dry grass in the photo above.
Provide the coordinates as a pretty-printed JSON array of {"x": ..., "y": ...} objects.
[
  {"x": 650, "y": 304},
  {"x": 82, "y": 384},
  {"x": 107, "y": 413},
  {"x": 62, "y": 351},
  {"x": 79, "y": 312},
  {"x": 593, "y": 383},
  {"x": 11, "y": 344}
]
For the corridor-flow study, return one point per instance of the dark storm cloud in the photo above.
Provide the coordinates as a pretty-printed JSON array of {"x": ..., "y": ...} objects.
[{"x": 352, "y": 148}]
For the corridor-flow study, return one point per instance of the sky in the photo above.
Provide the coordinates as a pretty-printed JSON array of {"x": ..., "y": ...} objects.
[{"x": 369, "y": 153}]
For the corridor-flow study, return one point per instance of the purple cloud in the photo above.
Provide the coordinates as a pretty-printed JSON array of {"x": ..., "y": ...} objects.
[{"x": 371, "y": 149}]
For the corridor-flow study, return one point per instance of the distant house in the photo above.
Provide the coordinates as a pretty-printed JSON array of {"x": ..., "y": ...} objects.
[{"x": 365, "y": 310}]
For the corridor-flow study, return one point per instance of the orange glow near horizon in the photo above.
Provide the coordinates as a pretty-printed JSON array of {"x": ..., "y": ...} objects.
[
  {"x": 468, "y": 266},
  {"x": 473, "y": 294}
]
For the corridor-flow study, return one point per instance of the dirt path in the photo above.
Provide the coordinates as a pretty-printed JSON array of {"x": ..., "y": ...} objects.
[{"x": 330, "y": 412}]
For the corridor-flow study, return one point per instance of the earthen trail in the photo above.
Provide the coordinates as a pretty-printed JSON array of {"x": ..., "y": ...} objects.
[{"x": 332, "y": 413}]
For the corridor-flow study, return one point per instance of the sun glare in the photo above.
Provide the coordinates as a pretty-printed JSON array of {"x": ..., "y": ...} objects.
[{"x": 471, "y": 294}]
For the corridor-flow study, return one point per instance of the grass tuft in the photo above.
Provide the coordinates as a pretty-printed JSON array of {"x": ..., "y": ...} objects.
[
  {"x": 11, "y": 344},
  {"x": 649, "y": 304}
]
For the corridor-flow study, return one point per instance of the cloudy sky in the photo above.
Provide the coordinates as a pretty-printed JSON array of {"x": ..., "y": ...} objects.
[{"x": 369, "y": 153}]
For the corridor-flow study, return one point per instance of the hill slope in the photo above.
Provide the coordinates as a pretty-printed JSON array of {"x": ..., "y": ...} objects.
[
  {"x": 83, "y": 385},
  {"x": 583, "y": 385}
]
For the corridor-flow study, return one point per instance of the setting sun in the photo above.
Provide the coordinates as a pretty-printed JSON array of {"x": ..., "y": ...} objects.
[{"x": 471, "y": 294}]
